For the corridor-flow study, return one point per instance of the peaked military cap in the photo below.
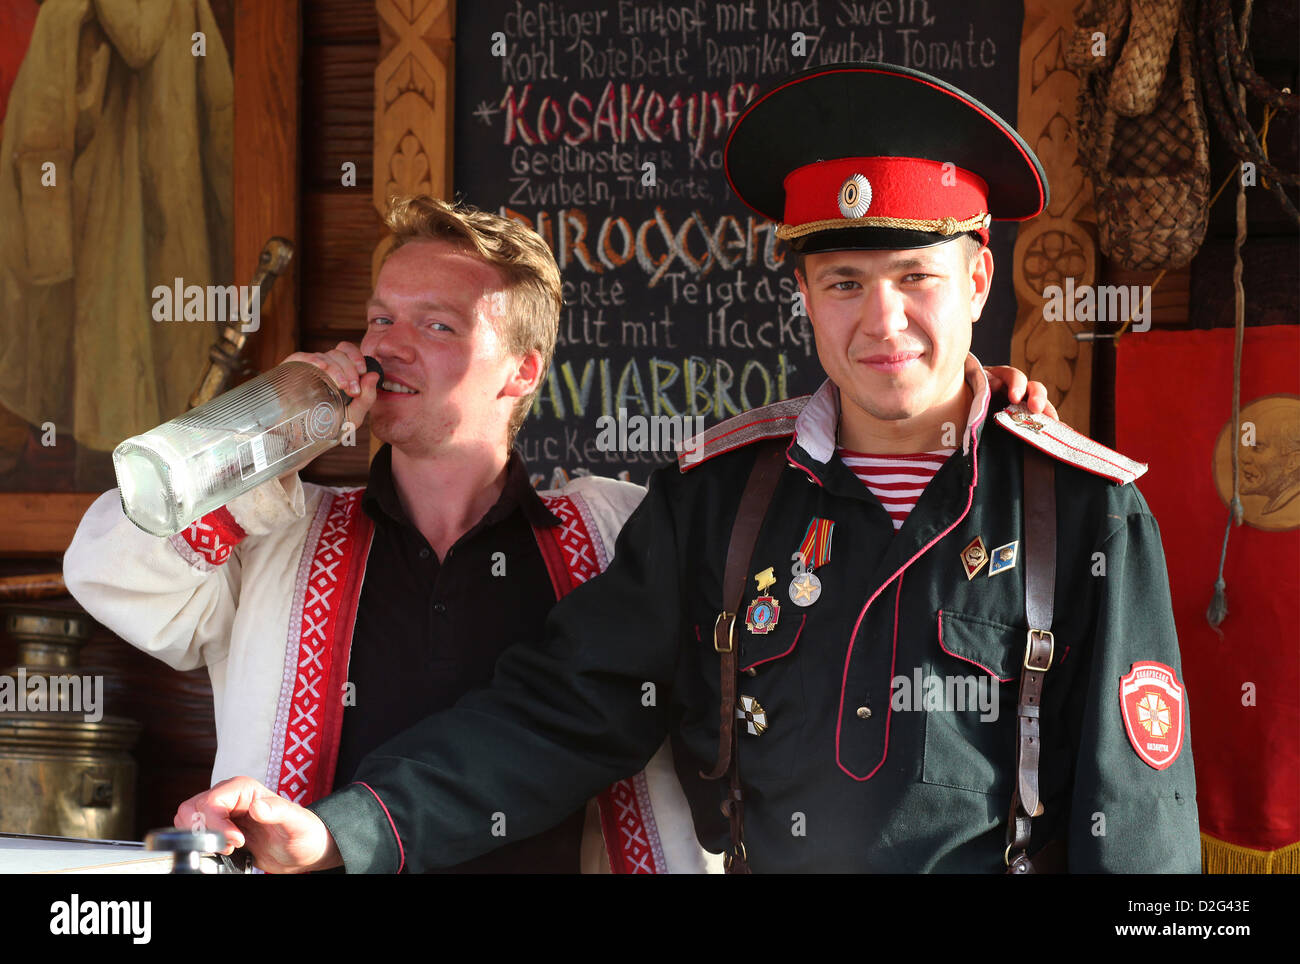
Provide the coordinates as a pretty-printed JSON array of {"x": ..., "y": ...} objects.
[{"x": 875, "y": 156}]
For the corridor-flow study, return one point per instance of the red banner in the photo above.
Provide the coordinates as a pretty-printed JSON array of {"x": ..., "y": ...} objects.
[
  {"x": 17, "y": 18},
  {"x": 1174, "y": 411}
]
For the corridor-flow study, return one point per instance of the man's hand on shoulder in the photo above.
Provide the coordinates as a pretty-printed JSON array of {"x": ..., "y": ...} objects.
[
  {"x": 1020, "y": 389},
  {"x": 283, "y": 837}
]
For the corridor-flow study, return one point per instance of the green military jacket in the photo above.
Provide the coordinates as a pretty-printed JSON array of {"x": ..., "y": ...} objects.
[{"x": 890, "y": 702}]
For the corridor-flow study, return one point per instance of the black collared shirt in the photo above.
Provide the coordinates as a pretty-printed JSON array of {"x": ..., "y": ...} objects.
[{"x": 429, "y": 631}]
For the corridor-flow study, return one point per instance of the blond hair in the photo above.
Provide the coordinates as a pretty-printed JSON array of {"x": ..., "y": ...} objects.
[{"x": 533, "y": 294}]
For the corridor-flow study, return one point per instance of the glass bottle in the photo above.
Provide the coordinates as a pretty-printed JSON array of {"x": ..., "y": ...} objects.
[{"x": 264, "y": 428}]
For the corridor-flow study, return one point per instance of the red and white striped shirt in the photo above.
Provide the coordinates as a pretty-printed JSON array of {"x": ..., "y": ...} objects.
[{"x": 896, "y": 480}]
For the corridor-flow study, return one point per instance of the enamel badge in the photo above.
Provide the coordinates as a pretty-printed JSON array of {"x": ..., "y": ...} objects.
[
  {"x": 1027, "y": 421},
  {"x": 764, "y": 611},
  {"x": 1151, "y": 703},
  {"x": 1004, "y": 558},
  {"x": 974, "y": 557},
  {"x": 752, "y": 712},
  {"x": 762, "y": 615}
]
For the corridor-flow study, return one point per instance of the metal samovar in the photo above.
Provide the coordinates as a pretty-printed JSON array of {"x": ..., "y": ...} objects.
[{"x": 61, "y": 774}]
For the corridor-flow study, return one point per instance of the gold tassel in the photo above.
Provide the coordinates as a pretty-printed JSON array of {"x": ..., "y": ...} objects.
[{"x": 1221, "y": 857}]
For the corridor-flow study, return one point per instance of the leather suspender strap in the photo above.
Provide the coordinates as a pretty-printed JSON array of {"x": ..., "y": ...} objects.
[
  {"x": 1040, "y": 588},
  {"x": 744, "y": 536},
  {"x": 736, "y": 862},
  {"x": 754, "y": 501}
]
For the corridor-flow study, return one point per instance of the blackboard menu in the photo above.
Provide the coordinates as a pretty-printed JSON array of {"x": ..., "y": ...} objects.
[{"x": 601, "y": 124}]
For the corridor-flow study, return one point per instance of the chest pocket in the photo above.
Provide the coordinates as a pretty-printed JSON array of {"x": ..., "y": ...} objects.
[
  {"x": 770, "y": 689},
  {"x": 970, "y": 702}
]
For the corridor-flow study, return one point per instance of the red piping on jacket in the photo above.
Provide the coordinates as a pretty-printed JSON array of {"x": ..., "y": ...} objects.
[
  {"x": 714, "y": 455},
  {"x": 807, "y": 471},
  {"x": 778, "y": 655},
  {"x": 848, "y": 656},
  {"x": 889, "y": 709},
  {"x": 400, "y": 851},
  {"x": 1075, "y": 448}
]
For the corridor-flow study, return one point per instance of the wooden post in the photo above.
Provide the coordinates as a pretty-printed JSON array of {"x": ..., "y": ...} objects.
[
  {"x": 1061, "y": 241},
  {"x": 414, "y": 102},
  {"x": 414, "y": 106},
  {"x": 266, "y": 68}
]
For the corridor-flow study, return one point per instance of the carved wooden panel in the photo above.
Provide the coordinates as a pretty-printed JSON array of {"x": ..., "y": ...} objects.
[
  {"x": 1060, "y": 242},
  {"x": 414, "y": 102}
]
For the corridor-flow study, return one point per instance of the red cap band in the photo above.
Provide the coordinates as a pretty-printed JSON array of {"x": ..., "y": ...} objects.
[{"x": 892, "y": 187}]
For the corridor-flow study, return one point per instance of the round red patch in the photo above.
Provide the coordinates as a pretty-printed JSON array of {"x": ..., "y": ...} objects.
[{"x": 1151, "y": 702}]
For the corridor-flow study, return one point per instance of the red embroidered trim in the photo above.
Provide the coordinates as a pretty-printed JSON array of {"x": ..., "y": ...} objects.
[
  {"x": 362, "y": 528},
  {"x": 577, "y": 549},
  {"x": 316, "y": 703},
  {"x": 631, "y": 840},
  {"x": 214, "y": 536},
  {"x": 631, "y": 849},
  {"x": 548, "y": 542}
]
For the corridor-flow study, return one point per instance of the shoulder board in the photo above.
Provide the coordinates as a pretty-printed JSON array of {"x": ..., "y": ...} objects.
[
  {"x": 1066, "y": 445},
  {"x": 770, "y": 421}
]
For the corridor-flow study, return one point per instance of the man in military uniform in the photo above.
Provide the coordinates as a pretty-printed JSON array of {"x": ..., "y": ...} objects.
[{"x": 940, "y": 661}]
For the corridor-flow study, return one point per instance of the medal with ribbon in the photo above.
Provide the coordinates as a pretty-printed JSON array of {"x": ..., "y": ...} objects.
[
  {"x": 814, "y": 552},
  {"x": 764, "y": 611}
]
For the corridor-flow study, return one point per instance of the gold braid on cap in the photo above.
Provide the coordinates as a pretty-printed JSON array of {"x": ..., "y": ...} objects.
[{"x": 944, "y": 226}]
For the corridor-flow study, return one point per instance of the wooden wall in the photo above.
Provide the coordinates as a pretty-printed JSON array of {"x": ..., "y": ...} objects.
[{"x": 339, "y": 224}]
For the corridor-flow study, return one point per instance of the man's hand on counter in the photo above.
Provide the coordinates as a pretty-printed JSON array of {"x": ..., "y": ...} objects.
[{"x": 283, "y": 837}]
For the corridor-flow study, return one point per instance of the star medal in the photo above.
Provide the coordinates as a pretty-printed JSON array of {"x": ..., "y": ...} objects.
[
  {"x": 814, "y": 552},
  {"x": 764, "y": 611},
  {"x": 805, "y": 589}
]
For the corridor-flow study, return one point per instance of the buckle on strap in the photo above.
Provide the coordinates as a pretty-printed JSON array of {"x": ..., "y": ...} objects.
[
  {"x": 730, "y": 858},
  {"x": 1039, "y": 666},
  {"x": 1019, "y": 864},
  {"x": 731, "y": 632}
]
